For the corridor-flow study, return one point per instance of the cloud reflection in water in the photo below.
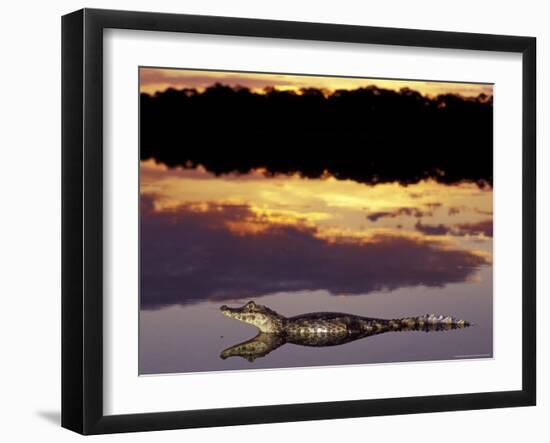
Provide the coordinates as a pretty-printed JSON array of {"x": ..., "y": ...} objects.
[{"x": 194, "y": 252}]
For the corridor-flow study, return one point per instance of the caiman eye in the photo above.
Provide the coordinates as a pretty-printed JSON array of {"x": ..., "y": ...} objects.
[{"x": 251, "y": 305}]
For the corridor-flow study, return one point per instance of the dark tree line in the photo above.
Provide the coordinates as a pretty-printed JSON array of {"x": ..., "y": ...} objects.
[{"x": 369, "y": 135}]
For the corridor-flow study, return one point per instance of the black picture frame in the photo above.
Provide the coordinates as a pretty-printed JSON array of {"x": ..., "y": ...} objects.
[{"x": 82, "y": 219}]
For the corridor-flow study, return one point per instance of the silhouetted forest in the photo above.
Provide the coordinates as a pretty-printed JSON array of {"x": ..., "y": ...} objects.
[{"x": 369, "y": 135}]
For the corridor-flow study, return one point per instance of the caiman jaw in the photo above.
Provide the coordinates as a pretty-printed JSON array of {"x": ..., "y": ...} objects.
[
  {"x": 225, "y": 310},
  {"x": 263, "y": 318},
  {"x": 234, "y": 313}
]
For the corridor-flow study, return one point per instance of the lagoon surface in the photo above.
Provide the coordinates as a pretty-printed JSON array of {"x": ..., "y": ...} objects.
[{"x": 300, "y": 245}]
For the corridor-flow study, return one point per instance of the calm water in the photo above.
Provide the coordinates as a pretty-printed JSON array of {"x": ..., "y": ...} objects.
[{"x": 305, "y": 245}]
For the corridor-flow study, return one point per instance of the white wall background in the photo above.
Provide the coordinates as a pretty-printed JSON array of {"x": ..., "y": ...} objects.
[{"x": 30, "y": 60}]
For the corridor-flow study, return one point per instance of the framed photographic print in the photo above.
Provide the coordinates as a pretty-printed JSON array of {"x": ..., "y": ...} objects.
[{"x": 269, "y": 221}]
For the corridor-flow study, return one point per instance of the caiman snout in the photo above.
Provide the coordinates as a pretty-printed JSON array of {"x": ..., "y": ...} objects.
[{"x": 227, "y": 311}]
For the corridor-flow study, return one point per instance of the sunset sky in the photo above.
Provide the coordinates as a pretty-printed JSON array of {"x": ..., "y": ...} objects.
[
  {"x": 237, "y": 203},
  {"x": 338, "y": 210},
  {"x": 154, "y": 80}
]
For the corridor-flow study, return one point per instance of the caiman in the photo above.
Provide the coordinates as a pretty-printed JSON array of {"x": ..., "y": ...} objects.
[{"x": 320, "y": 328}]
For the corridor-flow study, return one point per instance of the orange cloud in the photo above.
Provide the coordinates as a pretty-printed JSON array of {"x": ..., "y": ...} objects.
[
  {"x": 192, "y": 253},
  {"x": 159, "y": 79}
]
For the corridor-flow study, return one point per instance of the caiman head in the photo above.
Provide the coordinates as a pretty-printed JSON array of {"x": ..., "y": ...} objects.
[
  {"x": 265, "y": 319},
  {"x": 259, "y": 346}
]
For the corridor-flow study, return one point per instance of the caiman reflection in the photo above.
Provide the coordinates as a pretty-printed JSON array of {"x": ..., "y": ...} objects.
[{"x": 320, "y": 329}]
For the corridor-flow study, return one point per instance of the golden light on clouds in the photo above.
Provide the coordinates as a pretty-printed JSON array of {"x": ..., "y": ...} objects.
[
  {"x": 333, "y": 209},
  {"x": 156, "y": 79}
]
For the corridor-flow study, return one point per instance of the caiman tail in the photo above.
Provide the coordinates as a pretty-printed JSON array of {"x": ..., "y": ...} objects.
[{"x": 428, "y": 322}]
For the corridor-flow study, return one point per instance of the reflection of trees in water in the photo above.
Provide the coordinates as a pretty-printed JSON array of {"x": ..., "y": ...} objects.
[
  {"x": 190, "y": 256},
  {"x": 369, "y": 135}
]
